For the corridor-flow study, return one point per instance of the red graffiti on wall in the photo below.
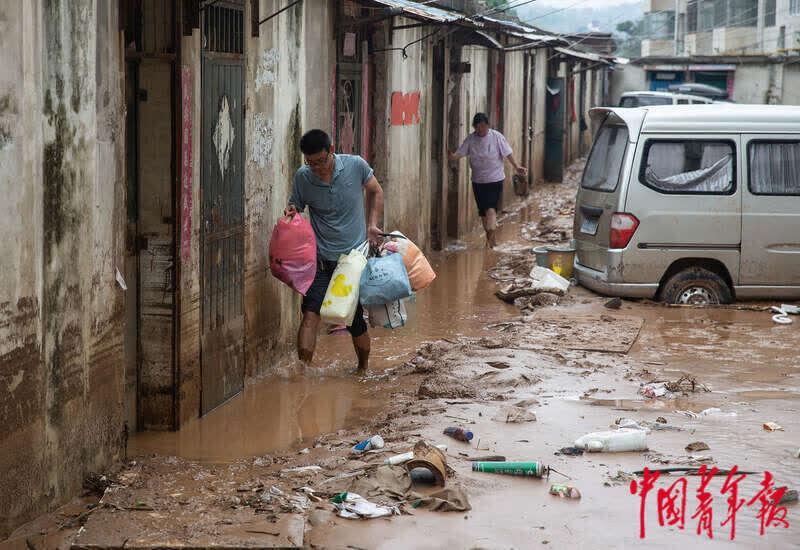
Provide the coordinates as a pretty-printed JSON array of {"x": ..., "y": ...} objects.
[
  {"x": 186, "y": 164},
  {"x": 405, "y": 109}
]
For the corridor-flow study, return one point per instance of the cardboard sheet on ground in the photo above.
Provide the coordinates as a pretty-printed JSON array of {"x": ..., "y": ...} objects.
[{"x": 604, "y": 333}]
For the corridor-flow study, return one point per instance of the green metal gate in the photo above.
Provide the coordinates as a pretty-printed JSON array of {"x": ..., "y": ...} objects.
[{"x": 222, "y": 191}]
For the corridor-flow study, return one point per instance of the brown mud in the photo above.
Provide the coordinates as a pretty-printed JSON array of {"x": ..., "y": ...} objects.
[{"x": 227, "y": 480}]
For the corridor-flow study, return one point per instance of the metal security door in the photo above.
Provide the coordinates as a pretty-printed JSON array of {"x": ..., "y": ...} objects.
[
  {"x": 222, "y": 189},
  {"x": 554, "y": 130}
]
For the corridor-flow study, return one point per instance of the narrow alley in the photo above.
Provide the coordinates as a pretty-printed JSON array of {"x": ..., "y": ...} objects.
[{"x": 261, "y": 470}]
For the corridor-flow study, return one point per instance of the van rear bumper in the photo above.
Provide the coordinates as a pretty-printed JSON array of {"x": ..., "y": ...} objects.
[{"x": 598, "y": 282}]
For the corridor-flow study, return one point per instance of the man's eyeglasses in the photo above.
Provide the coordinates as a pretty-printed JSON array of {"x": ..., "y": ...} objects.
[{"x": 319, "y": 163}]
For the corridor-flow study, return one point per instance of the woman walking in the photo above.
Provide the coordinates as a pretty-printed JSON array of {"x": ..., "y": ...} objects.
[{"x": 487, "y": 149}]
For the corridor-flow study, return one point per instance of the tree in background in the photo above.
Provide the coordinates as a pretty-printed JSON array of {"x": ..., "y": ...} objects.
[{"x": 630, "y": 43}]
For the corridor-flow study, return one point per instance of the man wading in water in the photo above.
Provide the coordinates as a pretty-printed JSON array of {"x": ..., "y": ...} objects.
[
  {"x": 333, "y": 187},
  {"x": 487, "y": 149}
]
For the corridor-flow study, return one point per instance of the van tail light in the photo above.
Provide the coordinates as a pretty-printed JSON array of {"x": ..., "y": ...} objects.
[{"x": 623, "y": 226}]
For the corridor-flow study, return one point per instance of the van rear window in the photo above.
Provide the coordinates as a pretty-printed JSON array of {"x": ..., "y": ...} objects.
[
  {"x": 688, "y": 166},
  {"x": 605, "y": 161}
]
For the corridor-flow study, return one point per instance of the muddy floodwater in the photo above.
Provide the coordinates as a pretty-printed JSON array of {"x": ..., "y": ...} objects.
[{"x": 261, "y": 469}]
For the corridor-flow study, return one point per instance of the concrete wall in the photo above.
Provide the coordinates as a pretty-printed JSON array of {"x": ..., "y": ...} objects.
[
  {"x": 61, "y": 151},
  {"x": 513, "y": 114},
  {"x": 287, "y": 89},
  {"x": 626, "y": 78},
  {"x": 540, "y": 115},
  {"x": 474, "y": 99},
  {"x": 402, "y": 151}
]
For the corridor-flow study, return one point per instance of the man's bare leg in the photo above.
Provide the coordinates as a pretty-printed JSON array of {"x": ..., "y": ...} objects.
[
  {"x": 307, "y": 337},
  {"x": 362, "y": 346}
]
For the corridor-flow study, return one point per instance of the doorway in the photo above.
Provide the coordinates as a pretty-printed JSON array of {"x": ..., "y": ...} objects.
[
  {"x": 554, "y": 130},
  {"x": 222, "y": 198}
]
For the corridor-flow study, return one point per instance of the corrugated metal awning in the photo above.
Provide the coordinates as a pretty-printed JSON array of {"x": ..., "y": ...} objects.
[
  {"x": 422, "y": 11},
  {"x": 589, "y": 56}
]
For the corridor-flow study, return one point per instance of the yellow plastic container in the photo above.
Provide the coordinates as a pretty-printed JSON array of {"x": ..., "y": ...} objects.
[{"x": 561, "y": 260}]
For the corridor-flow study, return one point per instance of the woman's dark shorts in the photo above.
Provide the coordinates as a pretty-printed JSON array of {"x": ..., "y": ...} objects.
[
  {"x": 487, "y": 195},
  {"x": 312, "y": 301}
]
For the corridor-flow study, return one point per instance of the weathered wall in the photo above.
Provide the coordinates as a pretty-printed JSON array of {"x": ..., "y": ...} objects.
[
  {"x": 540, "y": 115},
  {"x": 791, "y": 84},
  {"x": 288, "y": 68},
  {"x": 402, "y": 150},
  {"x": 513, "y": 115},
  {"x": 61, "y": 121},
  {"x": 474, "y": 99},
  {"x": 626, "y": 78},
  {"x": 190, "y": 308}
]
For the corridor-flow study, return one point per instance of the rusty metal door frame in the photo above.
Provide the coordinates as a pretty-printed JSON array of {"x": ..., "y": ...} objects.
[{"x": 222, "y": 203}]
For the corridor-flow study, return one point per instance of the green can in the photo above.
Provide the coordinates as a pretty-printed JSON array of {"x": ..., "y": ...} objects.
[{"x": 533, "y": 469}]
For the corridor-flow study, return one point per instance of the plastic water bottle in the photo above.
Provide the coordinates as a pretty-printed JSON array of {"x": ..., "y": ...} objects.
[
  {"x": 374, "y": 442},
  {"x": 459, "y": 433},
  {"x": 619, "y": 441}
]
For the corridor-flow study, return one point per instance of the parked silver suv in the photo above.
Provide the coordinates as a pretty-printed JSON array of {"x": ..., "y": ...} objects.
[{"x": 692, "y": 205}]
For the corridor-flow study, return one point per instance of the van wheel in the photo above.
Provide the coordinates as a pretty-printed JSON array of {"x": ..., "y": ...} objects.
[{"x": 696, "y": 286}]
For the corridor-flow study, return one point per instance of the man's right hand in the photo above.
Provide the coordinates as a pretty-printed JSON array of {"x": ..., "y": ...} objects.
[{"x": 290, "y": 210}]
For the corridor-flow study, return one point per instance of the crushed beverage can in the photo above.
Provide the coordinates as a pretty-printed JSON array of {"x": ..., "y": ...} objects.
[{"x": 564, "y": 491}]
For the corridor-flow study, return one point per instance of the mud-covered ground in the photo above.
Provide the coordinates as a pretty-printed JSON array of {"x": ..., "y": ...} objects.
[{"x": 262, "y": 470}]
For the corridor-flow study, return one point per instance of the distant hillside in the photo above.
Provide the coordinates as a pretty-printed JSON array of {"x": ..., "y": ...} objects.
[{"x": 580, "y": 18}]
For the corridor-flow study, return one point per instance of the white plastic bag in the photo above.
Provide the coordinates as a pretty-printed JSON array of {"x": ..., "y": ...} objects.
[
  {"x": 391, "y": 315},
  {"x": 546, "y": 280},
  {"x": 341, "y": 298}
]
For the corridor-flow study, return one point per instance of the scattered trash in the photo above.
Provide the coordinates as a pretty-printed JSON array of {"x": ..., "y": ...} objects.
[
  {"x": 661, "y": 420},
  {"x": 697, "y": 446},
  {"x": 488, "y": 458},
  {"x": 621, "y": 477},
  {"x": 534, "y": 469},
  {"x": 772, "y": 427},
  {"x": 713, "y": 411},
  {"x": 396, "y": 460},
  {"x": 684, "y": 384},
  {"x": 628, "y": 423},
  {"x": 621, "y": 440},
  {"x": 302, "y": 469},
  {"x": 782, "y": 313},
  {"x": 564, "y": 491},
  {"x": 569, "y": 451},
  {"x": 352, "y": 506},
  {"x": 614, "y": 303},
  {"x": 653, "y": 390},
  {"x": 304, "y": 451},
  {"x": 498, "y": 364},
  {"x": 374, "y": 442},
  {"x": 452, "y": 499},
  {"x": 514, "y": 415},
  {"x": 430, "y": 458},
  {"x": 422, "y": 476},
  {"x": 459, "y": 433},
  {"x": 691, "y": 460},
  {"x": 790, "y": 495}
]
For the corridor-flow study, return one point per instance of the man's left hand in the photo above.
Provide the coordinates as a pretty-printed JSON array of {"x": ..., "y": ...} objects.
[{"x": 374, "y": 235}]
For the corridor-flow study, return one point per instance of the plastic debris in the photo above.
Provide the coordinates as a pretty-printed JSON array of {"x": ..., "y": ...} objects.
[
  {"x": 514, "y": 415},
  {"x": 302, "y": 469},
  {"x": 697, "y": 446},
  {"x": 782, "y": 313},
  {"x": 789, "y": 495},
  {"x": 773, "y": 427},
  {"x": 713, "y": 411},
  {"x": 459, "y": 433},
  {"x": 622, "y": 440},
  {"x": 653, "y": 390},
  {"x": 354, "y": 506},
  {"x": 405, "y": 457},
  {"x": 429, "y": 458},
  {"x": 570, "y": 451},
  {"x": 374, "y": 442},
  {"x": 564, "y": 491}
]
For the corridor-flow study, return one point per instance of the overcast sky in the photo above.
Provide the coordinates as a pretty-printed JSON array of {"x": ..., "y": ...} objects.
[{"x": 583, "y": 3}]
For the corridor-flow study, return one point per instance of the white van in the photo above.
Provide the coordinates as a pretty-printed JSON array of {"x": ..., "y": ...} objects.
[
  {"x": 692, "y": 205},
  {"x": 648, "y": 99}
]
